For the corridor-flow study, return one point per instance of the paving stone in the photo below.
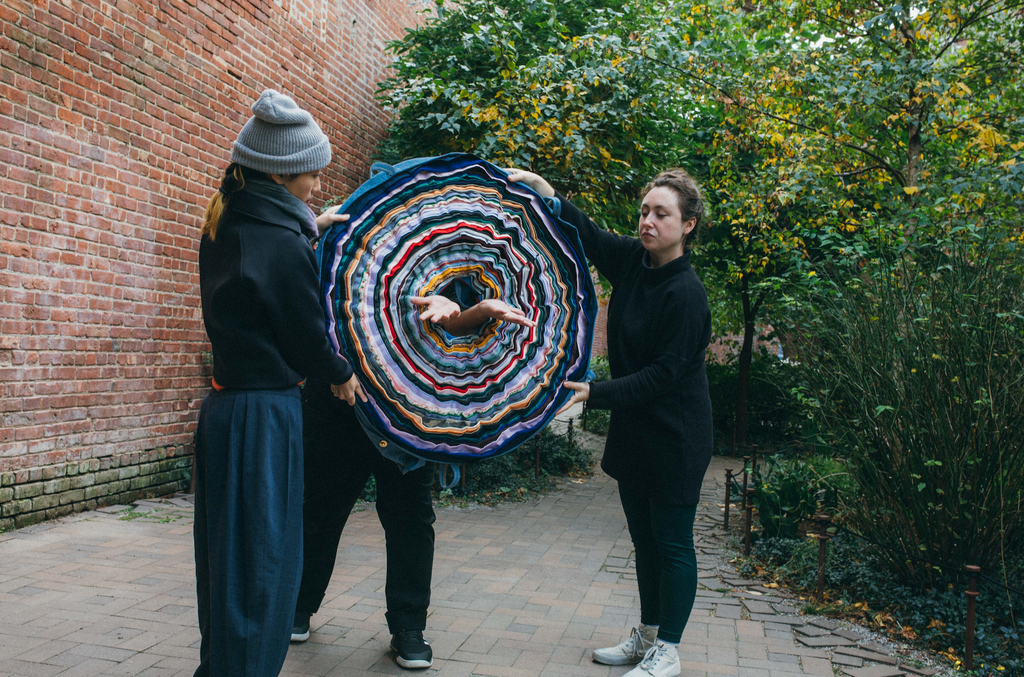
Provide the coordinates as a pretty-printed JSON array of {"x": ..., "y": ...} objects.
[
  {"x": 849, "y": 634},
  {"x": 788, "y": 620},
  {"x": 827, "y": 640},
  {"x": 727, "y": 611},
  {"x": 866, "y": 655},
  {"x": 786, "y": 609},
  {"x": 811, "y": 631},
  {"x": 756, "y": 607},
  {"x": 873, "y": 671},
  {"x": 823, "y": 623},
  {"x": 876, "y": 647},
  {"x": 924, "y": 672},
  {"x": 842, "y": 659}
]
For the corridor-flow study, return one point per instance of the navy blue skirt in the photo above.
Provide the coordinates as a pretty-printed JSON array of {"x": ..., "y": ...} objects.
[{"x": 248, "y": 529}]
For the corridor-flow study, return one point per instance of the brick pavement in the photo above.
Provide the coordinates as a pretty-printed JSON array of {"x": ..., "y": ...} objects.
[{"x": 520, "y": 590}]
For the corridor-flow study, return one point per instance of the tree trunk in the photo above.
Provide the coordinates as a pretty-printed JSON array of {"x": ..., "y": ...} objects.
[{"x": 739, "y": 430}]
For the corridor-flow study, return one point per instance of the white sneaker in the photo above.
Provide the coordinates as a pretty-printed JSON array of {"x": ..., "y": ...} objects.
[
  {"x": 661, "y": 660},
  {"x": 631, "y": 651}
]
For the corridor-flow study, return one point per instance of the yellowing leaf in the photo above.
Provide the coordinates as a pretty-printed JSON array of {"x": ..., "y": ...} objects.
[{"x": 909, "y": 190}]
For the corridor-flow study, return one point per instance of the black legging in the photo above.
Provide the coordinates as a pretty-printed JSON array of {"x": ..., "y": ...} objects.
[{"x": 666, "y": 563}]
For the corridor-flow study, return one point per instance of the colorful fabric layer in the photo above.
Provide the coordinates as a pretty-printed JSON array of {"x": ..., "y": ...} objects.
[{"x": 455, "y": 225}]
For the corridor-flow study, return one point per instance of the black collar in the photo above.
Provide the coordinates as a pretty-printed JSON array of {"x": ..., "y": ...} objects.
[
  {"x": 661, "y": 273},
  {"x": 253, "y": 206}
]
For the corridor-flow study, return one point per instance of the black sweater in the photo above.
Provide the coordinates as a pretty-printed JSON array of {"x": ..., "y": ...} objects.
[
  {"x": 659, "y": 326},
  {"x": 258, "y": 282}
]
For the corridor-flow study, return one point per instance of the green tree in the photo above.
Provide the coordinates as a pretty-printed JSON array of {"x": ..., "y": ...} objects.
[
  {"x": 832, "y": 129},
  {"x": 558, "y": 88}
]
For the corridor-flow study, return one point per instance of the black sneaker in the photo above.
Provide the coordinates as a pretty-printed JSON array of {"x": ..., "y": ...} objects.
[
  {"x": 300, "y": 626},
  {"x": 413, "y": 651}
]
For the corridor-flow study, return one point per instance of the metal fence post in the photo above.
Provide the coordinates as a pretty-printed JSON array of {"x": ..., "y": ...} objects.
[
  {"x": 749, "y": 500},
  {"x": 972, "y": 595},
  {"x": 583, "y": 417},
  {"x": 728, "y": 495},
  {"x": 823, "y": 522},
  {"x": 746, "y": 472}
]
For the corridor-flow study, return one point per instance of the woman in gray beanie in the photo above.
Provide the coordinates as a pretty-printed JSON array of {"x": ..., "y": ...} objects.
[{"x": 258, "y": 281}]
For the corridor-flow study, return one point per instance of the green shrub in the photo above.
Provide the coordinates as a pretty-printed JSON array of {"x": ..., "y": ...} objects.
[
  {"x": 791, "y": 490},
  {"x": 920, "y": 376}
]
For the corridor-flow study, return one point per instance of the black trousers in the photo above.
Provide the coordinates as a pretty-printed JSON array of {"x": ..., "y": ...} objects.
[
  {"x": 666, "y": 562},
  {"x": 339, "y": 458}
]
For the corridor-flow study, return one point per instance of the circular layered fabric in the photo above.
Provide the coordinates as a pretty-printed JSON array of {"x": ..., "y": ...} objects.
[{"x": 454, "y": 225}]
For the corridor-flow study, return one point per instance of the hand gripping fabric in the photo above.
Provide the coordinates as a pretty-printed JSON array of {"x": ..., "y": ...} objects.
[{"x": 451, "y": 224}]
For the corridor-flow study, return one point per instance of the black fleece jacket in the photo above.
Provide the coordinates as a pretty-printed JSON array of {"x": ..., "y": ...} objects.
[
  {"x": 258, "y": 282},
  {"x": 659, "y": 326}
]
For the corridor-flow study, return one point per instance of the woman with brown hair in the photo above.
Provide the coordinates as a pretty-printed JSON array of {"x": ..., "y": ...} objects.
[{"x": 660, "y": 437}]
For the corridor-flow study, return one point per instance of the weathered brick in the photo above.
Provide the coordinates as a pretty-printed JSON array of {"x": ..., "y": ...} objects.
[
  {"x": 80, "y": 481},
  {"x": 23, "y": 491},
  {"x": 28, "y": 519},
  {"x": 44, "y": 502},
  {"x": 105, "y": 476},
  {"x": 57, "y": 486},
  {"x": 73, "y": 496},
  {"x": 59, "y": 511},
  {"x": 11, "y": 508}
]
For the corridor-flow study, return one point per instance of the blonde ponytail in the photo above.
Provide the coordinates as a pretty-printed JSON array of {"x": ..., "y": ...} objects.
[{"x": 234, "y": 181}]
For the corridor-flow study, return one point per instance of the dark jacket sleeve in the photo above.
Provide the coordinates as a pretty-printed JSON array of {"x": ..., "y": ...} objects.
[
  {"x": 298, "y": 321},
  {"x": 681, "y": 338},
  {"x": 607, "y": 251}
]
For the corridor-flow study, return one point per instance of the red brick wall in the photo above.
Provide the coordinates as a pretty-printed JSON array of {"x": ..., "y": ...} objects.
[{"x": 116, "y": 121}]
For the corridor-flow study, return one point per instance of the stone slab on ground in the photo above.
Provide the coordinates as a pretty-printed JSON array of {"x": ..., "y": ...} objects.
[
  {"x": 876, "y": 647},
  {"x": 826, "y": 640},
  {"x": 867, "y": 655},
  {"x": 823, "y": 623},
  {"x": 757, "y": 607},
  {"x": 852, "y": 661},
  {"x": 849, "y": 634},
  {"x": 811, "y": 631},
  {"x": 874, "y": 671},
  {"x": 787, "y": 620}
]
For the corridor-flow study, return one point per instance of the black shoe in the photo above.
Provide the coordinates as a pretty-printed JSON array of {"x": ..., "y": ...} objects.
[
  {"x": 300, "y": 626},
  {"x": 413, "y": 651}
]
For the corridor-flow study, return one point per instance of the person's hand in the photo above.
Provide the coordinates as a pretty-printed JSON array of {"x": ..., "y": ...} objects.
[
  {"x": 532, "y": 180},
  {"x": 581, "y": 394},
  {"x": 329, "y": 218},
  {"x": 349, "y": 391},
  {"x": 499, "y": 310},
  {"x": 436, "y": 309}
]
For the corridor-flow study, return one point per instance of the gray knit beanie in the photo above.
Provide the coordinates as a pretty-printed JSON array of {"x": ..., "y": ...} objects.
[{"x": 281, "y": 138}]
